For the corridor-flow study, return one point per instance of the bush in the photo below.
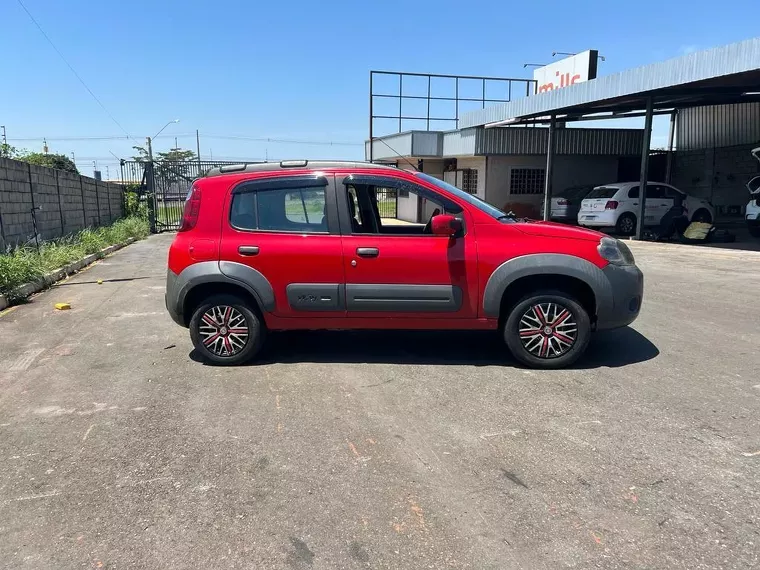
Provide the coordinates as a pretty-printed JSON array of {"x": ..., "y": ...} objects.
[{"x": 24, "y": 265}]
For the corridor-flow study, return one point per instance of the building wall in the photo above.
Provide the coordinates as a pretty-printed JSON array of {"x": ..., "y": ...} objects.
[
  {"x": 568, "y": 171},
  {"x": 67, "y": 202},
  {"x": 718, "y": 126},
  {"x": 477, "y": 163},
  {"x": 717, "y": 174}
]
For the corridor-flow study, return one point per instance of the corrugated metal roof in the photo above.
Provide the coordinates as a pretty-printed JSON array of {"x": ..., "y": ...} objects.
[
  {"x": 724, "y": 63},
  {"x": 718, "y": 125},
  {"x": 460, "y": 143},
  {"x": 521, "y": 140}
]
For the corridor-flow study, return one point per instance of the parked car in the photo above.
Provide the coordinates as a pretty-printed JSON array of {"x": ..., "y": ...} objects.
[
  {"x": 617, "y": 206},
  {"x": 302, "y": 245},
  {"x": 566, "y": 203}
]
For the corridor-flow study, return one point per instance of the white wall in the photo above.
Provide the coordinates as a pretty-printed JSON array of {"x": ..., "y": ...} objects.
[{"x": 568, "y": 171}]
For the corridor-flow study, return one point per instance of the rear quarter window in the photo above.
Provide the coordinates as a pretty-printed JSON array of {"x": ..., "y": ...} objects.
[{"x": 602, "y": 192}]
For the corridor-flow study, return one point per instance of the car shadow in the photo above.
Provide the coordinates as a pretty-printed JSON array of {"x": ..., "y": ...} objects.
[{"x": 477, "y": 348}]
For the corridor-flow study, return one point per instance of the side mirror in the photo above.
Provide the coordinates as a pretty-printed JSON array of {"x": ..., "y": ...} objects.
[{"x": 445, "y": 225}]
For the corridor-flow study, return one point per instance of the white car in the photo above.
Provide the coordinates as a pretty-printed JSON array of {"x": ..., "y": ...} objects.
[{"x": 617, "y": 206}]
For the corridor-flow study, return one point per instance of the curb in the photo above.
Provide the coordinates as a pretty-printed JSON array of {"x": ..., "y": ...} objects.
[{"x": 49, "y": 279}]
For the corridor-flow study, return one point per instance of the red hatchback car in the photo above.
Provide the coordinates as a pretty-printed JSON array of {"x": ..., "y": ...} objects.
[{"x": 343, "y": 245}]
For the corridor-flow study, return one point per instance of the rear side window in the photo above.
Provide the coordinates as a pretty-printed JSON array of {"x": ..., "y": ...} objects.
[
  {"x": 280, "y": 209},
  {"x": 602, "y": 192}
]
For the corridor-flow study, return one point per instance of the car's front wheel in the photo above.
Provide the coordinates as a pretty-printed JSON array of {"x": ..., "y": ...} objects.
[
  {"x": 547, "y": 329},
  {"x": 226, "y": 330}
]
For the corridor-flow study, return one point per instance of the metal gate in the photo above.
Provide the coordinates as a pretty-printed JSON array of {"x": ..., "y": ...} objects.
[{"x": 163, "y": 186}]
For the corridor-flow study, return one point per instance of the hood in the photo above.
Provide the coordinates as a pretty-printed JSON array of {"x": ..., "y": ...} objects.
[{"x": 552, "y": 229}]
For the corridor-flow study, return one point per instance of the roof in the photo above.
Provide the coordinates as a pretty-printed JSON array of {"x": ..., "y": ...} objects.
[
  {"x": 505, "y": 141},
  {"x": 290, "y": 165},
  {"x": 712, "y": 77}
]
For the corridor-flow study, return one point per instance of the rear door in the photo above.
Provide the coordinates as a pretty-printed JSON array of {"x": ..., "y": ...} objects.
[
  {"x": 286, "y": 228},
  {"x": 394, "y": 266}
]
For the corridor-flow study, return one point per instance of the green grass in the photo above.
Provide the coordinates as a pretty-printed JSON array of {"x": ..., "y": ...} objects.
[{"x": 24, "y": 265}]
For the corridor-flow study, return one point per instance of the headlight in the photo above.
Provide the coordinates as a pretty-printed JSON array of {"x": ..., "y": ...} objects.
[{"x": 615, "y": 251}]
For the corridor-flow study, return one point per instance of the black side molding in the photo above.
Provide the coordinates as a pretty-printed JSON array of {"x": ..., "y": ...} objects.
[{"x": 404, "y": 298}]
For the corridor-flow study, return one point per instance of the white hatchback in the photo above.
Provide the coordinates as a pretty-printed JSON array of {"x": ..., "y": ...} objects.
[{"x": 617, "y": 206}]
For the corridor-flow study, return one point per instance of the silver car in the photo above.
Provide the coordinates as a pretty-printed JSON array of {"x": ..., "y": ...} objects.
[{"x": 566, "y": 203}]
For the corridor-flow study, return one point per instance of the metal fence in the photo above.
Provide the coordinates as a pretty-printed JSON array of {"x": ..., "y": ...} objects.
[
  {"x": 387, "y": 202},
  {"x": 162, "y": 187}
]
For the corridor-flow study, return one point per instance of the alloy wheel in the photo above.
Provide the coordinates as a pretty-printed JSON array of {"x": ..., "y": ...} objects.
[
  {"x": 626, "y": 225},
  {"x": 223, "y": 330},
  {"x": 548, "y": 330}
]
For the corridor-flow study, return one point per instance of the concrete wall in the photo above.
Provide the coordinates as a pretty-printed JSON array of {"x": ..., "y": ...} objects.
[
  {"x": 717, "y": 174},
  {"x": 568, "y": 171},
  {"x": 69, "y": 202}
]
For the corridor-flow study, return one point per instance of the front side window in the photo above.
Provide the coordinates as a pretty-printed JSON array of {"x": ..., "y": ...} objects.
[
  {"x": 285, "y": 209},
  {"x": 481, "y": 205},
  {"x": 376, "y": 209}
]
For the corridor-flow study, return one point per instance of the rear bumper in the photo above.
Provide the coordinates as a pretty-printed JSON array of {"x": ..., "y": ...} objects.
[
  {"x": 597, "y": 219},
  {"x": 627, "y": 287},
  {"x": 173, "y": 305}
]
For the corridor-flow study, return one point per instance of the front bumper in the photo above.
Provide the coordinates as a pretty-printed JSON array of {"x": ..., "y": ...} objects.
[{"x": 627, "y": 287}]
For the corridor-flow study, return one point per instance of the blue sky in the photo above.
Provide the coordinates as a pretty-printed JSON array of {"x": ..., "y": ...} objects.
[{"x": 298, "y": 70}]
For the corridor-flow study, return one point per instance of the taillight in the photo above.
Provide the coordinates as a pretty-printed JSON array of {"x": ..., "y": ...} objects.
[
  {"x": 192, "y": 209},
  {"x": 611, "y": 205},
  {"x": 563, "y": 202}
]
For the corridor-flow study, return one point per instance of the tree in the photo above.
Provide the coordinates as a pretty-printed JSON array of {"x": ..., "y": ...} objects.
[
  {"x": 57, "y": 161},
  {"x": 8, "y": 151}
]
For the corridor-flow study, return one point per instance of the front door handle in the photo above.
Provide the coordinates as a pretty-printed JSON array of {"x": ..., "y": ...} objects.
[
  {"x": 248, "y": 250},
  {"x": 367, "y": 251}
]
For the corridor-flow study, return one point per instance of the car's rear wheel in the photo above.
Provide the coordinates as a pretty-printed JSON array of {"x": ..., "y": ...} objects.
[
  {"x": 226, "y": 330},
  {"x": 626, "y": 224},
  {"x": 547, "y": 329},
  {"x": 702, "y": 215}
]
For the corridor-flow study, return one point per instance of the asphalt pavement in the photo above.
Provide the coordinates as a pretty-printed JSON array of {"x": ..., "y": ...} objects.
[{"x": 119, "y": 449}]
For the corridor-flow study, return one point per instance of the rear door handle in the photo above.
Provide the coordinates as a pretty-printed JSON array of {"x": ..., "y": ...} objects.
[
  {"x": 367, "y": 251},
  {"x": 248, "y": 250}
]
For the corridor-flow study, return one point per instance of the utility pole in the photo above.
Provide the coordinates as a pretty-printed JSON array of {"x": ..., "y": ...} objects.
[
  {"x": 151, "y": 188},
  {"x": 198, "y": 148},
  {"x": 5, "y": 140},
  {"x": 108, "y": 174},
  {"x": 73, "y": 159},
  {"x": 176, "y": 145}
]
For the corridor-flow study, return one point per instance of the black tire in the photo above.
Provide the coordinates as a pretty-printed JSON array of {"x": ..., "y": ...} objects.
[
  {"x": 754, "y": 231},
  {"x": 200, "y": 330},
  {"x": 519, "y": 350},
  {"x": 702, "y": 215},
  {"x": 626, "y": 224}
]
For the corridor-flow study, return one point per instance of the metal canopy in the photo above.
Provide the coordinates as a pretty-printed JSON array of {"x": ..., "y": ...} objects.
[{"x": 723, "y": 75}]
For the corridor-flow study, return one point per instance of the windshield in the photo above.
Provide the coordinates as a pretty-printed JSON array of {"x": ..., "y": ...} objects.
[
  {"x": 602, "y": 192},
  {"x": 469, "y": 198}
]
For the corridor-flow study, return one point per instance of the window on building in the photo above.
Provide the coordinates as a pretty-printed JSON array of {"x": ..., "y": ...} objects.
[
  {"x": 467, "y": 180},
  {"x": 527, "y": 180}
]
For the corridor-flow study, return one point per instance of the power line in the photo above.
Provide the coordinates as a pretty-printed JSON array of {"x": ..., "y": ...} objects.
[
  {"x": 99, "y": 102},
  {"x": 186, "y": 135}
]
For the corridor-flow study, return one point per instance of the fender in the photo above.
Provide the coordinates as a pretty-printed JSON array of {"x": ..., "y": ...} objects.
[
  {"x": 251, "y": 280},
  {"x": 546, "y": 264}
]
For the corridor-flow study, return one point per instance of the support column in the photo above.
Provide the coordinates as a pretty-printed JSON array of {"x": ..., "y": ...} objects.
[
  {"x": 549, "y": 169},
  {"x": 644, "y": 170},
  {"x": 671, "y": 139}
]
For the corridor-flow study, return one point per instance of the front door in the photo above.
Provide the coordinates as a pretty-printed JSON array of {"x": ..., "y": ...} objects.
[
  {"x": 286, "y": 228},
  {"x": 394, "y": 265}
]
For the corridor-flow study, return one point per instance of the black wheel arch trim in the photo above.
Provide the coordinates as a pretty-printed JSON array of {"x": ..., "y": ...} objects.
[
  {"x": 180, "y": 286},
  {"x": 546, "y": 264}
]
